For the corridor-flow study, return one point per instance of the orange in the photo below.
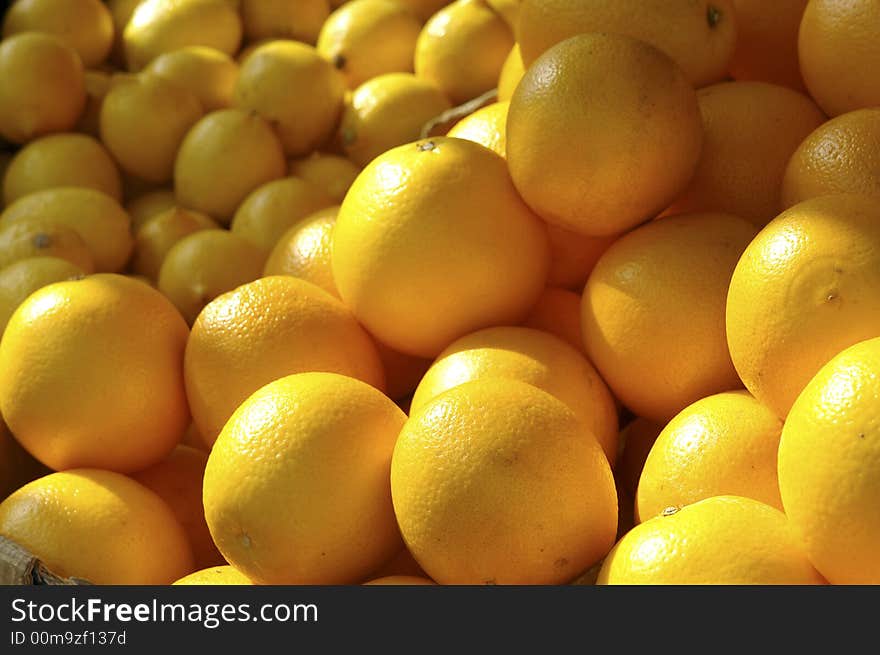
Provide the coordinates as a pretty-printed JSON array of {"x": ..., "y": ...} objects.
[
  {"x": 807, "y": 287},
  {"x": 177, "y": 480},
  {"x": 333, "y": 173},
  {"x": 558, "y": 312},
  {"x": 723, "y": 540},
  {"x": 321, "y": 437},
  {"x": 724, "y": 444},
  {"x": 511, "y": 73},
  {"x": 86, "y": 26},
  {"x": 98, "y": 526},
  {"x": 38, "y": 238},
  {"x": 400, "y": 580},
  {"x": 296, "y": 90},
  {"x": 304, "y": 251},
  {"x": 462, "y": 49},
  {"x": 432, "y": 242},
  {"x": 388, "y": 111},
  {"x": 265, "y": 330},
  {"x": 84, "y": 385},
  {"x": 144, "y": 119},
  {"x": 838, "y": 49},
  {"x": 59, "y": 160},
  {"x": 573, "y": 257},
  {"x": 17, "y": 466},
  {"x": 767, "y": 42},
  {"x": 159, "y": 26},
  {"x": 402, "y": 564},
  {"x": 828, "y": 471},
  {"x": 215, "y": 575},
  {"x": 532, "y": 356},
  {"x": 700, "y": 35},
  {"x": 640, "y": 123},
  {"x": 367, "y": 38},
  {"x": 158, "y": 235},
  {"x": 205, "y": 264},
  {"x": 635, "y": 440},
  {"x": 751, "y": 130},
  {"x": 281, "y": 19},
  {"x": 653, "y": 312},
  {"x": 840, "y": 156},
  {"x": 98, "y": 84},
  {"x": 22, "y": 278},
  {"x": 224, "y": 157},
  {"x": 210, "y": 74},
  {"x": 270, "y": 210},
  {"x": 43, "y": 88},
  {"x": 486, "y": 126},
  {"x": 145, "y": 206},
  {"x": 98, "y": 219},
  {"x": 498, "y": 482}
]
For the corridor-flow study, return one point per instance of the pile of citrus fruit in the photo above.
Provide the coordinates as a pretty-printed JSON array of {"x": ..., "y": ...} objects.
[{"x": 426, "y": 292}]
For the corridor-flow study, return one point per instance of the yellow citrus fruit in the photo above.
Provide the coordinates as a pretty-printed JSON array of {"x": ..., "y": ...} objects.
[
  {"x": 5, "y": 159},
  {"x": 462, "y": 49},
  {"x": 281, "y": 19},
  {"x": 807, "y": 287},
  {"x": 145, "y": 206},
  {"x": 304, "y": 251},
  {"x": 157, "y": 237},
  {"x": 323, "y": 437},
  {"x": 486, "y": 126},
  {"x": 723, "y": 540},
  {"x": 121, "y": 12},
  {"x": 767, "y": 42},
  {"x": 751, "y": 130},
  {"x": 498, "y": 482},
  {"x": 210, "y": 74},
  {"x": 635, "y": 442},
  {"x": 272, "y": 209},
  {"x": 700, "y": 35},
  {"x": 17, "y": 466},
  {"x": 402, "y": 564},
  {"x": 85, "y": 385},
  {"x": 97, "y": 83},
  {"x": 573, "y": 257},
  {"x": 86, "y": 26},
  {"x": 840, "y": 156},
  {"x": 558, "y": 312},
  {"x": 333, "y": 173},
  {"x": 432, "y": 243},
  {"x": 224, "y": 157},
  {"x": 43, "y": 88},
  {"x": 508, "y": 10},
  {"x": 511, "y": 73},
  {"x": 60, "y": 160},
  {"x": 265, "y": 330},
  {"x": 296, "y": 90},
  {"x": 99, "y": 220},
  {"x": 640, "y": 123},
  {"x": 724, "y": 444},
  {"x": 159, "y": 26},
  {"x": 22, "y": 278},
  {"x": 828, "y": 471},
  {"x": 144, "y": 119},
  {"x": 215, "y": 575},
  {"x": 400, "y": 580},
  {"x": 532, "y": 356},
  {"x": 38, "y": 238},
  {"x": 402, "y": 372},
  {"x": 177, "y": 480},
  {"x": 386, "y": 112},
  {"x": 205, "y": 264},
  {"x": 653, "y": 312},
  {"x": 98, "y": 526},
  {"x": 838, "y": 47},
  {"x": 367, "y": 38},
  {"x": 424, "y": 9}
]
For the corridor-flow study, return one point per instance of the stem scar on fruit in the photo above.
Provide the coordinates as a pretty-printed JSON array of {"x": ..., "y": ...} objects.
[
  {"x": 427, "y": 146},
  {"x": 669, "y": 511},
  {"x": 714, "y": 16}
]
